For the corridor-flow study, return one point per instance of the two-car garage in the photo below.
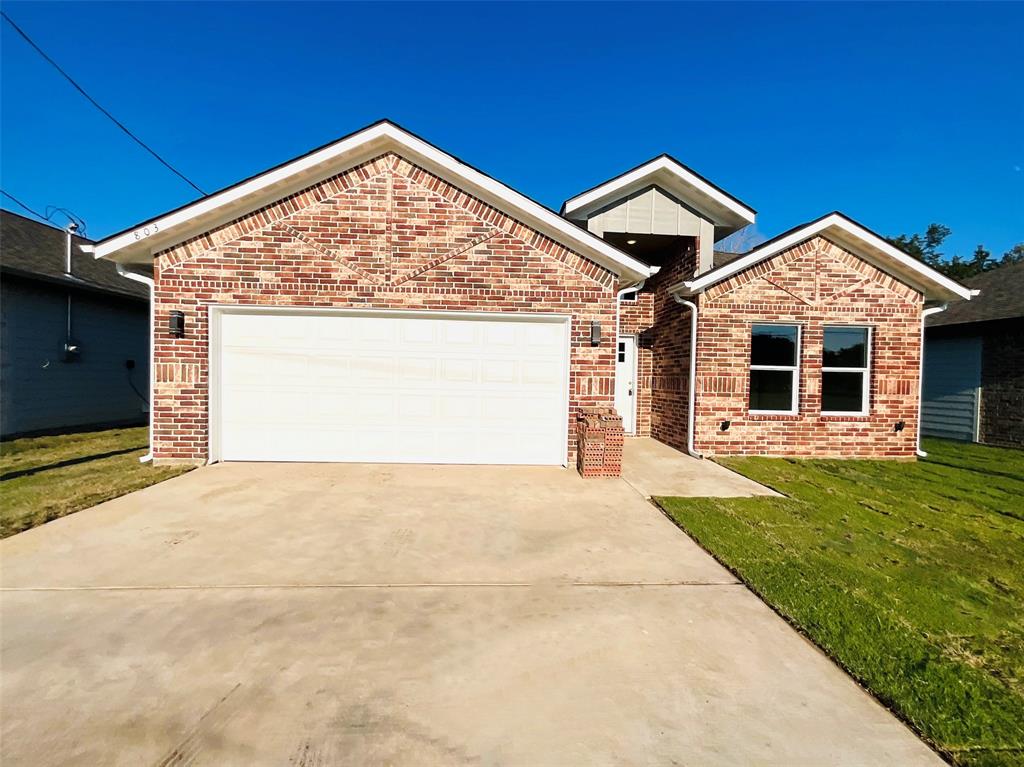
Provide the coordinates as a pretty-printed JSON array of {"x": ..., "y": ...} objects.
[{"x": 388, "y": 387}]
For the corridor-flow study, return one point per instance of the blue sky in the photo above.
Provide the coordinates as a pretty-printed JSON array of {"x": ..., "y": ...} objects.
[{"x": 898, "y": 115}]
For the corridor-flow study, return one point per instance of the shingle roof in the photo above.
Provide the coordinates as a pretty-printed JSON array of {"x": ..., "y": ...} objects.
[
  {"x": 35, "y": 250},
  {"x": 1002, "y": 297},
  {"x": 723, "y": 257}
]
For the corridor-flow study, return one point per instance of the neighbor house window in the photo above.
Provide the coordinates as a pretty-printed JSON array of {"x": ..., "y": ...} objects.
[
  {"x": 774, "y": 368},
  {"x": 845, "y": 371}
]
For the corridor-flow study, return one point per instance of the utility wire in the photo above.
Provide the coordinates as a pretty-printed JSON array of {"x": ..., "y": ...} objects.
[
  {"x": 35, "y": 213},
  {"x": 50, "y": 210},
  {"x": 93, "y": 101}
]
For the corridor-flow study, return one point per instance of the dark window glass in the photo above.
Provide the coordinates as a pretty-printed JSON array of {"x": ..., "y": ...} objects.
[
  {"x": 629, "y": 296},
  {"x": 771, "y": 390},
  {"x": 845, "y": 348},
  {"x": 842, "y": 392},
  {"x": 773, "y": 345}
]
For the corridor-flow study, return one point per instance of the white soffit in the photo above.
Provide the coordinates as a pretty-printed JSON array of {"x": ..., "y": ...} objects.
[
  {"x": 721, "y": 208},
  {"x": 855, "y": 238},
  {"x": 139, "y": 243}
]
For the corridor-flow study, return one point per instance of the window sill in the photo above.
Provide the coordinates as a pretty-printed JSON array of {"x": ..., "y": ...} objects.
[
  {"x": 769, "y": 416},
  {"x": 845, "y": 416}
]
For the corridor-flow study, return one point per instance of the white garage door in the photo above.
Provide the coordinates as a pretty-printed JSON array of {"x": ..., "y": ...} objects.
[{"x": 399, "y": 388}]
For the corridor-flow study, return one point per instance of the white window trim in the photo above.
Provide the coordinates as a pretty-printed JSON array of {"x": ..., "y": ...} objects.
[
  {"x": 794, "y": 408},
  {"x": 865, "y": 394}
]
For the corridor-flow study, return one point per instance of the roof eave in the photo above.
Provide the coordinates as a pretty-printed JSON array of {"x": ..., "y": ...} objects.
[
  {"x": 138, "y": 244},
  {"x": 722, "y": 209},
  {"x": 844, "y": 231}
]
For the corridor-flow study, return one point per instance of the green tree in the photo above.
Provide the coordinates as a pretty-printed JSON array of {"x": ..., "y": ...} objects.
[
  {"x": 926, "y": 248},
  {"x": 1014, "y": 255}
]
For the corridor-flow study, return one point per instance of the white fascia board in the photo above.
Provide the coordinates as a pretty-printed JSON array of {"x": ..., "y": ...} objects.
[
  {"x": 649, "y": 171},
  {"x": 236, "y": 201},
  {"x": 831, "y": 224}
]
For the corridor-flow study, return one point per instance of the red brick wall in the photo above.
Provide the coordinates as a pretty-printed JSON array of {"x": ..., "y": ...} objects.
[
  {"x": 386, "y": 234},
  {"x": 670, "y": 342},
  {"x": 813, "y": 284},
  {"x": 663, "y": 354}
]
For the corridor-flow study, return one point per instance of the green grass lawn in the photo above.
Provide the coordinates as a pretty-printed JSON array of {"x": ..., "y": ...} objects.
[
  {"x": 909, "y": 575},
  {"x": 43, "y": 478}
]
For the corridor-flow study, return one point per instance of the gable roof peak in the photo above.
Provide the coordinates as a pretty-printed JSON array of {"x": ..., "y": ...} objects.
[
  {"x": 138, "y": 243},
  {"x": 666, "y": 172},
  {"x": 855, "y": 237}
]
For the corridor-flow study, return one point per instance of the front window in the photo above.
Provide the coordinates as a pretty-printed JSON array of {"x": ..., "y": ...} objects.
[
  {"x": 774, "y": 368},
  {"x": 845, "y": 369}
]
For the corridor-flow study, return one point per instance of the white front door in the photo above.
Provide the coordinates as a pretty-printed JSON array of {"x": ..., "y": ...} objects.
[
  {"x": 397, "y": 387},
  {"x": 625, "y": 382}
]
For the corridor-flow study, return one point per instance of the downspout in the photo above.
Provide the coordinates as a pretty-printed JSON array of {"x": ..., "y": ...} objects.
[
  {"x": 920, "y": 375},
  {"x": 69, "y": 232},
  {"x": 692, "y": 387},
  {"x": 148, "y": 282}
]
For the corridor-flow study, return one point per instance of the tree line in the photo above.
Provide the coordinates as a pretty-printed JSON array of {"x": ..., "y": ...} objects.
[{"x": 926, "y": 248}]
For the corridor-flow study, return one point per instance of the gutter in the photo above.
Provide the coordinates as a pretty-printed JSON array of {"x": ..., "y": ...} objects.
[
  {"x": 692, "y": 393},
  {"x": 148, "y": 282},
  {"x": 637, "y": 286},
  {"x": 920, "y": 374}
]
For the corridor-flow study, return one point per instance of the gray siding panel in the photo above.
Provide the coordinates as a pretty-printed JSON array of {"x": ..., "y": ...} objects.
[
  {"x": 952, "y": 381},
  {"x": 38, "y": 390}
]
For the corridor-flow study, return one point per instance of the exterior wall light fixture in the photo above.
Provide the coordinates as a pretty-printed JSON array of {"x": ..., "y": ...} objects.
[{"x": 176, "y": 324}]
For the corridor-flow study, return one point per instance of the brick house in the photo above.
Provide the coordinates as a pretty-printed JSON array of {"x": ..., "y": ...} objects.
[
  {"x": 974, "y": 363},
  {"x": 379, "y": 300}
]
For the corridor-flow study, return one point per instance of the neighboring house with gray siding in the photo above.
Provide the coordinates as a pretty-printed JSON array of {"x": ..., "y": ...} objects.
[
  {"x": 74, "y": 348},
  {"x": 974, "y": 363}
]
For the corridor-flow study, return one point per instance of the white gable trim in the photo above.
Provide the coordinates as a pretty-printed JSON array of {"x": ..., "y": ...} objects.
[
  {"x": 847, "y": 233},
  {"x": 139, "y": 243},
  {"x": 684, "y": 183}
]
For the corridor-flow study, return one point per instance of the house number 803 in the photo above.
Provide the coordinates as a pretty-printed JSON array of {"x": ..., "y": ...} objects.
[{"x": 146, "y": 231}]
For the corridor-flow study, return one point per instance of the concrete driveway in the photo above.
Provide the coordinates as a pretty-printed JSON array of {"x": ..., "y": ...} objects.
[{"x": 291, "y": 614}]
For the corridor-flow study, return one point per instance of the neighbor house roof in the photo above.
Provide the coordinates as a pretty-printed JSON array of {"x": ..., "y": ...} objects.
[
  {"x": 723, "y": 257},
  {"x": 854, "y": 237},
  {"x": 666, "y": 172},
  {"x": 1002, "y": 297},
  {"x": 140, "y": 242},
  {"x": 37, "y": 251}
]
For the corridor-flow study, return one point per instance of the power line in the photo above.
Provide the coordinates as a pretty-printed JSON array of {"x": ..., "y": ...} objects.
[
  {"x": 93, "y": 101},
  {"x": 78, "y": 220},
  {"x": 50, "y": 210},
  {"x": 37, "y": 214}
]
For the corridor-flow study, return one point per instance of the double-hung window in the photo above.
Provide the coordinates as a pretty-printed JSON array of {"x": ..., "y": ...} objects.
[
  {"x": 774, "y": 369},
  {"x": 846, "y": 370}
]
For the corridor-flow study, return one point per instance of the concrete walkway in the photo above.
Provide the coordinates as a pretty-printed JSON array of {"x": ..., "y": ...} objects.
[
  {"x": 250, "y": 614},
  {"x": 654, "y": 469}
]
